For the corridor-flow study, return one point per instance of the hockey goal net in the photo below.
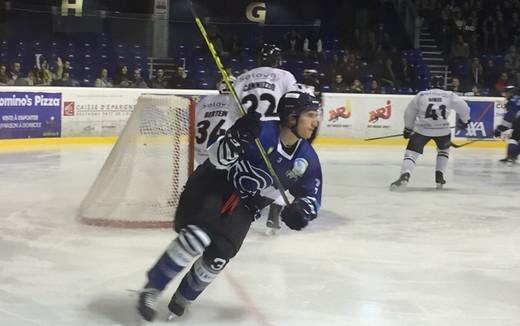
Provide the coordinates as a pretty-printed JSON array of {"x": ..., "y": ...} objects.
[{"x": 141, "y": 180}]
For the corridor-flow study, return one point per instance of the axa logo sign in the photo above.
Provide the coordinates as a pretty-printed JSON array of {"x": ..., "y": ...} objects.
[
  {"x": 339, "y": 113},
  {"x": 475, "y": 129},
  {"x": 482, "y": 120},
  {"x": 384, "y": 112}
]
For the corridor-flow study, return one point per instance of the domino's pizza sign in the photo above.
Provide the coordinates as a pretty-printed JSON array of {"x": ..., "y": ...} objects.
[
  {"x": 30, "y": 114},
  {"x": 482, "y": 118}
]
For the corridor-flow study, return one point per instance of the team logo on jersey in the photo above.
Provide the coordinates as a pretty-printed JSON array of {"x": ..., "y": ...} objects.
[
  {"x": 299, "y": 167},
  {"x": 341, "y": 112},
  {"x": 384, "y": 112},
  {"x": 248, "y": 179}
]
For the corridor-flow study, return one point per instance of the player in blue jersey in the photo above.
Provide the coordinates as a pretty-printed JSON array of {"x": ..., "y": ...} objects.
[
  {"x": 510, "y": 125},
  {"x": 225, "y": 194}
]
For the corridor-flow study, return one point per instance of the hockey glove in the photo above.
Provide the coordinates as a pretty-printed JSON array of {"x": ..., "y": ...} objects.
[
  {"x": 298, "y": 214},
  {"x": 243, "y": 132},
  {"x": 462, "y": 125},
  {"x": 407, "y": 132},
  {"x": 500, "y": 129}
]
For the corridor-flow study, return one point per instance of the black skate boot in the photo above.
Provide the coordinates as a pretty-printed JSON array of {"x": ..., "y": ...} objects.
[
  {"x": 439, "y": 179},
  {"x": 400, "y": 183},
  {"x": 273, "y": 220},
  {"x": 177, "y": 305},
  {"x": 147, "y": 303},
  {"x": 508, "y": 160}
]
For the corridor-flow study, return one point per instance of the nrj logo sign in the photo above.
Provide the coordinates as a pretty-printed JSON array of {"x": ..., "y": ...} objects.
[
  {"x": 384, "y": 112},
  {"x": 341, "y": 112}
]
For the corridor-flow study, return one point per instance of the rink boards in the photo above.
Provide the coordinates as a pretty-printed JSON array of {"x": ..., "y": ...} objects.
[{"x": 56, "y": 115}]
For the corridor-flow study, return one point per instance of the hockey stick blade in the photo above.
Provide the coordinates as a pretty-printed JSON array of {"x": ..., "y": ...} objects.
[
  {"x": 464, "y": 144},
  {"x": 383, "y": 137}
]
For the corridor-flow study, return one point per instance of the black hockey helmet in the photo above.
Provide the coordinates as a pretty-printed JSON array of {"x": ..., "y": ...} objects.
[
  {"x": 437, "y": 81},
  {"x": 295, "y": 103},
  {"x": 270, "y": 55}
]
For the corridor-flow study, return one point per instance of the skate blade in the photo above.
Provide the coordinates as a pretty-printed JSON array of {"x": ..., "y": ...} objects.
[
  {"x": 270, "y": 231},
  {"x": 400, "y": 188},
  {"x": 440, "y": 186},
  {"x": 140, "y": 321}
]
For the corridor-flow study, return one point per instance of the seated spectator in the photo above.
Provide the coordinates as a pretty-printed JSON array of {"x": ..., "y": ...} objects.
[
  {"x": 338, "y": 86},
  {"x": 159, "y": 81},
  {"x": 15, "y": 72},
  {"x": 292, "y": 41},
  {"x": 500, "y": 84},
  {"x": 456, "y": 86},
  {"x": 102, "y": 80},
  {"x": 137, "y": 80},
  {"x": 180, "y": 79},
  {"x": 3, "y": 75},
  {"x": 235, "y": 45},
  {"x": 403, "y": 73},
  {"x": 57, "y": 70},
  {"x": 45, "y": 77},
  {"x": 121, "y": 78},
  {"x": 65, "y": 80},
  {"x": 26, "y": 81},
  {"x": 490, "y": 74},
  {"x": 459, "y": 50},
  {"x": 475, "y": 91},
  {"x": 375, "y": 88},
  {"x": 387, "y": 76},
  {"x": 348, "y": 68},
  {"x": 356, "y": 87}
]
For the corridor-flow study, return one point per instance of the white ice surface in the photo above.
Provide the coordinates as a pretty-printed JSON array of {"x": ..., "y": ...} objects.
[{"x": 373, "y": 257}]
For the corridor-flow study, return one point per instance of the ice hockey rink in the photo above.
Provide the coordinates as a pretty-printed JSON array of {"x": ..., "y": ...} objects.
[{"x": 373, "y": 257}]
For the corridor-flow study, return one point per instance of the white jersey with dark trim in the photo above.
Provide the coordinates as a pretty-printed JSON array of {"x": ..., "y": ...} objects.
[
  {"x": 261, "y": 88},
  {"x": 428, "y": 112},
  {"x": 214, "y": 114}
]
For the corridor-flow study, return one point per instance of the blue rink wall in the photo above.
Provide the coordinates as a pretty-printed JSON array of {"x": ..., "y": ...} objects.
[{"x": 55, "y": 115}]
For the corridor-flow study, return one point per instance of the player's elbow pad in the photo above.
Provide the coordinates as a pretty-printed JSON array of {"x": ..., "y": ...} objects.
[{"x": 224, "y": 153}]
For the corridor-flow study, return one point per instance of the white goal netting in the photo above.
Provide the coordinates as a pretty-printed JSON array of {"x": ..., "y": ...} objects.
[{"x": 141, "y": 180}]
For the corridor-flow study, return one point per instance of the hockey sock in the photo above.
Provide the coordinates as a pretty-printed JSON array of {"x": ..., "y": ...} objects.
[
  {"x": 513, "y": 148},
  {"x": 442, "y": 160},
  {"x": 409, "y": 161},
  {"x": 190, "y": 243},
  {"x": 273, "y": 219},
  {"x": 197, "y": 279}
]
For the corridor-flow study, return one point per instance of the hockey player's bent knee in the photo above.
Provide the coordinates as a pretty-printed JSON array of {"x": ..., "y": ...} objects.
[{"x": 190, "y": 243}]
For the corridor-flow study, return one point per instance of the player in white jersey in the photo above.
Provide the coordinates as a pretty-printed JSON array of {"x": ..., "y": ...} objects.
[
  {"x": 214, "y": 114},
  {"x": 426, "y": 118},
  {"x": 260, "y": 89}
]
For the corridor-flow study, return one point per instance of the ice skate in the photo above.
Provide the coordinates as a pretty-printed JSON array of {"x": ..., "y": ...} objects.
[
  {"x": 439, "y": 179},
  {"x": 177, "y": 306},
  {"x": 508, "y": 160},
  {"x": 400, "y": 184},
  {"x": 273, "y": 220},
  {"x": 147, "y": 303}
]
